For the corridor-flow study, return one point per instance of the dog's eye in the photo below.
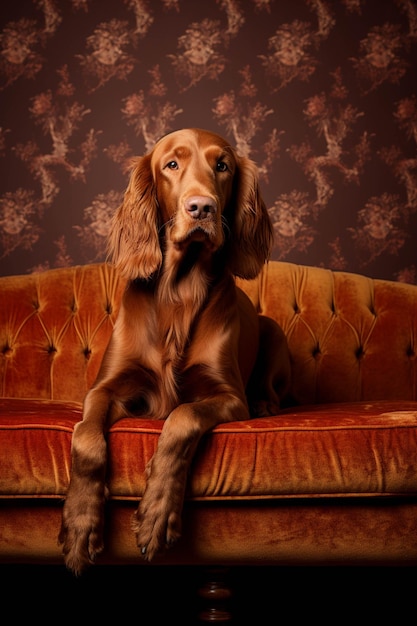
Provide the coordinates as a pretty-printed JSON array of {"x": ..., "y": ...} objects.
[
  {"x": 221, "y": 166},
  {"x": 172, "y": 165}
]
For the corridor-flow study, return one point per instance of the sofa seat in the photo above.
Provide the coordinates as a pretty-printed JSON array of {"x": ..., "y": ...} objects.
[
  {"x": 253, "y": 486},
  {"x": 340, "y": 449}
]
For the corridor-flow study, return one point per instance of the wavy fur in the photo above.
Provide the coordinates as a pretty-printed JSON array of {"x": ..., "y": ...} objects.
[{"x": 185, "y": 347}]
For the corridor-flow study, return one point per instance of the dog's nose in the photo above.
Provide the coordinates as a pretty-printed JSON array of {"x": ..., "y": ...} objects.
[{"x": 200, "y": 207}]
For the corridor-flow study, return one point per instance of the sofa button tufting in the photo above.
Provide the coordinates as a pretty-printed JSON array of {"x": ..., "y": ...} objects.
[
  {"x": 360, "y": 352},
  {"x": 410, "y": 352},
  {"x": 316, "y": 352}
]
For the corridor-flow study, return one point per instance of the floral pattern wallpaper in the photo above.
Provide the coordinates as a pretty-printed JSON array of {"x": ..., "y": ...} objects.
[{"x": 321, "y": 94}]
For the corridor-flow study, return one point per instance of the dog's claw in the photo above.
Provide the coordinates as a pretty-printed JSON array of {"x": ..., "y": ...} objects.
[{"x": 143, "y": 550}]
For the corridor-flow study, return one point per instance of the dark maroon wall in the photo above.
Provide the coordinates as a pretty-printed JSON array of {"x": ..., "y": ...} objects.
[{"x": 320, "y": 93}]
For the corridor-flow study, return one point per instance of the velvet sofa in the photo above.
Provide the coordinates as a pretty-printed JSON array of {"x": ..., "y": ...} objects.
[{"x": 330, "y": 480}]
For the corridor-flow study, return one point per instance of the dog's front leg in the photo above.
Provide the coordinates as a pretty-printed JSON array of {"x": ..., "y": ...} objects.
[
  {"x": 157, "y": 521},
  {"x": 82, "y": 526}
]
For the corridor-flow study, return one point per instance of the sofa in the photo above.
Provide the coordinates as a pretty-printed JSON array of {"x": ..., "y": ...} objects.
[{"x": 330, "y": 480}]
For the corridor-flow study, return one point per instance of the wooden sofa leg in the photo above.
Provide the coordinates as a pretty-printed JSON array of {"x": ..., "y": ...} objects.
[{"x": 215, "y": 594}]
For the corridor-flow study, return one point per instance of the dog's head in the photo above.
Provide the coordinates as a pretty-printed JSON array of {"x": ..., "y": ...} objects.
[{"x": 192, "y": 187}]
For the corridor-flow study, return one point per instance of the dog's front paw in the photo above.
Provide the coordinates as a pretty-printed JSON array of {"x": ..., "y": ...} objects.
[
  {"x": 81, "y": 535},
  {"x": 80, "y": 547},
  {"x": 156, "y": 527}
]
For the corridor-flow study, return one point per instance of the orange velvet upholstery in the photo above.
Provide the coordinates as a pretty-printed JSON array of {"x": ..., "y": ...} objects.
[
  {"x": 331, "y": 479},
  {"x": 54, "y": 327}
]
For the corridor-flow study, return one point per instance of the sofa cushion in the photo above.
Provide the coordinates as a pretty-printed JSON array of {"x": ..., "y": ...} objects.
[{"x": 349, "y": 449}]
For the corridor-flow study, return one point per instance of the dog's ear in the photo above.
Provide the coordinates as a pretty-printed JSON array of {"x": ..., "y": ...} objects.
[
  {"x": 252, "y": 234},
  {"x": 134, "y": 245}
]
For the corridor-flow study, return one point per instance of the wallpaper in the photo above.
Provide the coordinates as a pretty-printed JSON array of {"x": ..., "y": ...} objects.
[{"x": 321, "y": 94}]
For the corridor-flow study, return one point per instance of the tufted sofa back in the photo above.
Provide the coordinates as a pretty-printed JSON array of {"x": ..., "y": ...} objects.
[
  {"x": 54, "y": 328},
  {"x": 350, "y": 337}
]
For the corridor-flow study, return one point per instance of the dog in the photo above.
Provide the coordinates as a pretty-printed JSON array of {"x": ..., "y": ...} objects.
[{"x": 188, "y": 347}]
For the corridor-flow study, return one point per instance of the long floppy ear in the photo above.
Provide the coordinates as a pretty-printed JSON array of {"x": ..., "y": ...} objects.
[
  {"x": 133, "y": 241},
  {"x": 252, "y": 234}
]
